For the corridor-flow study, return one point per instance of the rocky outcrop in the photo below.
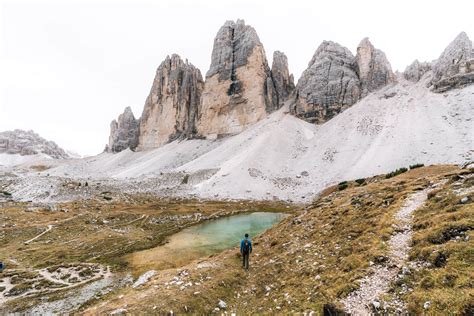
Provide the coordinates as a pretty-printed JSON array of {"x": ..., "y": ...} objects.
[
  {"x": 416, "y": 70},
  {"x": 328, "y": 86},
  {"x": 29, "y": 143},
  {"x": 172, "y": 106},
  {"x": 283, "y": 80},
  {"x": 372, "y": 67},
  {"x": 239, "y": 89},
  {"x": 123, "y": 132},
  {"x": 455, "y": 67}
]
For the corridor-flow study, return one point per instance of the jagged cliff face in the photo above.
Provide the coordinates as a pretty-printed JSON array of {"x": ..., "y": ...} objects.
[
  {"x": 239, "y": 89},
  {"x": 123, "y": 132},
  {"x": 284, "y": 82},
  {"x": 372, "y": 67},
  {"x": 416, "y": 70},
  {"x": 29, "y": 143},
  {"x": 335, "y": 80},
  {"x": 328, "y": 86},
  {"x": 455, "y": 67},
  {"x": 172, "y": 106}
]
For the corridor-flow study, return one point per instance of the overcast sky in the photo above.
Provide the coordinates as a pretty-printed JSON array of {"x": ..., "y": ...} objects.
[{"x": 69, "y": 67}]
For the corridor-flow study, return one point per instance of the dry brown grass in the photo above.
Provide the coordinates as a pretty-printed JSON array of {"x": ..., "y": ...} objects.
[{"x": 311, "y": 259}]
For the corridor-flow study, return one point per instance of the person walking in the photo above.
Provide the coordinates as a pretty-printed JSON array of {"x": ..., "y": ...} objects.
[{"x": 245, "y": 251}]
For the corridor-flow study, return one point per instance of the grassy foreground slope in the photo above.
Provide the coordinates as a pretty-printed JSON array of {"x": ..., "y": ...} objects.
[{"x": 313, "y": 259}]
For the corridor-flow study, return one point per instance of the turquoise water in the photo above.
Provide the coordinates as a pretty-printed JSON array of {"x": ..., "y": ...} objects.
[
  {"x": 205, "y": 239},
  {"x": 227, "y": 232}
]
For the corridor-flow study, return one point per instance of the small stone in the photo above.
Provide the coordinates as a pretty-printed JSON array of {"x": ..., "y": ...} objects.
[
  {"x": 376, "y": 304},
  {"x": 318, "y": 277},
  {"x": 405, "y": 270},
  {"x": 427, "y": 305},
  {"x": 222, "y": 304},
  {"x": 464, "y": 200}
]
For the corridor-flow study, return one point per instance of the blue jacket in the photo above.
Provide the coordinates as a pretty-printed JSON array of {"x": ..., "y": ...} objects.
[{"x": 242, "y": 245}]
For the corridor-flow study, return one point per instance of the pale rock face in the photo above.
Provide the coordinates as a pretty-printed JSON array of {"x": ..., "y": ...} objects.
[
  {"x": 455, "y": 67},
  {"x": 372, "y": 67},
  {"x": 123, "y": 132},
  {"x": 29, "y": 143},
  {"x": 416, "y": 70},
  {"x": 239, "y": 90},
  {"x": 172, "y": 106},
  {"x": 282, "y": 78},
  {"x": 328, "y": 86}
]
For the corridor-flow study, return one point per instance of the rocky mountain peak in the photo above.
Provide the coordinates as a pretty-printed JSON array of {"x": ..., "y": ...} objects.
[
  {"x": 455, "y": 66},
  {"x": 416, "y": 70},
  {"x": 170, "y": 111},
  {"x": 372, "y": 67},
  {"x": 282, "y": 78},
  {"x": 329, "y": 84},
  {"x": 29, "y": 143},
  {"x": 239, "y": 89},
  {"x": 233, "y": 45},
  {"x": 123, "y": 132}
]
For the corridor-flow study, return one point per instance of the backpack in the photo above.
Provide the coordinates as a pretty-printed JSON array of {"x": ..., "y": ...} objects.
[{"x": 246, "y": 248}]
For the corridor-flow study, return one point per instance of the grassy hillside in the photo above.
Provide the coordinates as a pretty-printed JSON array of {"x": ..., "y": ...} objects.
[{"x": 313, "y": 259}]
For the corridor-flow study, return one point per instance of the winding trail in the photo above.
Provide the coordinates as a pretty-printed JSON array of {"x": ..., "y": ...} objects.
[
  {"x": 380, "y": 278},
  {"x": 38, "y": 236}
]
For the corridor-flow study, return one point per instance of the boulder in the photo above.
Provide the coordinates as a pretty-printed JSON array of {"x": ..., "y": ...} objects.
[
  {"x": 239, "y": 90},
  {"x": 328, "y": 86},
  {"x": 170, "y": 111},
  {"x": 416, "y": 70},
  {"x": 283, "y": 80},
  {"x": 123, "y": 132},
  {"x": 372, "y": 67}
]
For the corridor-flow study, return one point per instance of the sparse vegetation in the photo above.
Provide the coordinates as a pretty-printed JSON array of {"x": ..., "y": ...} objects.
[
  {"x": 360, "y": 181},
  {"x": 418, "y": 165},
  {"x": 443, "y": 245},
  {"x": 342, "y": 185},
  {"x": 185, "y": 179},
  {"x": 395, "y": 173},
  {"x": 309, "y": 261},
  {"x": 306, "y": 263},
  {"x": 40, "y": 168}
]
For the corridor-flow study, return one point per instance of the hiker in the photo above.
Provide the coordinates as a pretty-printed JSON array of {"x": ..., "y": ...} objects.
[{"x": 245, "y": 250}]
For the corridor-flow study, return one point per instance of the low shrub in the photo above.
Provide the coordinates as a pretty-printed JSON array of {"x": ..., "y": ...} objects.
[
  {"x": 342, "y": 186},
  {"x": 417, "y": 165},
  {"x": 395, "y": 173},
  {"x": 360, "y": 181}
]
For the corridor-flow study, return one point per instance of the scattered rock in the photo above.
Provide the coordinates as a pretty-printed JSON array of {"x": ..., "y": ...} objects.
[
  {"x": 222, "y": 304},
  {"x": 119, "y": 311},
  {"x": 464, "y": 200},
  {"x": 427, "y": 305},
  {"x": 143, "y": 278}
]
